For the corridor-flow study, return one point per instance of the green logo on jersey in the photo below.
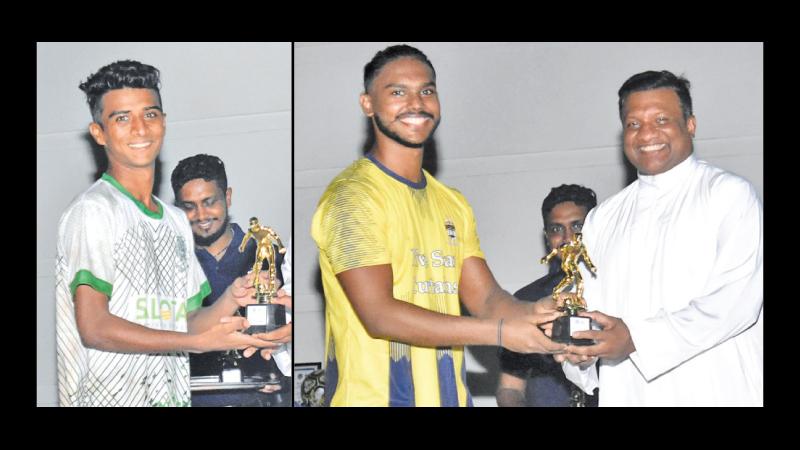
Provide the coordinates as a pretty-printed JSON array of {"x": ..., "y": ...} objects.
[{"x": 160, "y": 309}]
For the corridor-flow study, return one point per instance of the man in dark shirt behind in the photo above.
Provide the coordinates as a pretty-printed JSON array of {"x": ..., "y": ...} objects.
[
  {"x": 535, "y": 379},
  {"x": 202, "y": 192}
]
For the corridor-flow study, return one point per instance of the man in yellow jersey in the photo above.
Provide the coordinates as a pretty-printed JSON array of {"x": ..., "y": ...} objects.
[{"x": 398, "y": 249}]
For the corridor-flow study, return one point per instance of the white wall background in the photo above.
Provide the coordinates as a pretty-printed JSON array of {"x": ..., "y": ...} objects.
[
  {"x": 517, "y": 119},
  {"x": 232, "y": 100}
]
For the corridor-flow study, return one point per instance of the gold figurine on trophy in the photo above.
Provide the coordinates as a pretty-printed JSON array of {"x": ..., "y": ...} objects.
[
  {"x": 265, "y": 315},
  {"x": 266, "y": 239},
  {"x": 571, "y": 253}
]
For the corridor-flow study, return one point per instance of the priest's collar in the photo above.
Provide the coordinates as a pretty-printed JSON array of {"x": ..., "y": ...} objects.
[{"x": 671, "y": 178}]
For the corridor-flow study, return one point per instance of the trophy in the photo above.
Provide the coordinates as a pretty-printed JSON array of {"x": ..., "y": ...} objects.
[
  {"x": 571, "y": 253},
  {"x": 264, "y": 316}
]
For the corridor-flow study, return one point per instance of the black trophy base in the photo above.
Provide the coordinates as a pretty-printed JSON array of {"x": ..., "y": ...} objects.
[
  {"x": 563, "y": 327},
  {"x": 265, "y": 317}
]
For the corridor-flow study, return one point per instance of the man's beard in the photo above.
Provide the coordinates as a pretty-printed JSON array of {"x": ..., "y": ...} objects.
[
  {"x": 395, "y": 137},
  {"x": 201, "y": 241}
]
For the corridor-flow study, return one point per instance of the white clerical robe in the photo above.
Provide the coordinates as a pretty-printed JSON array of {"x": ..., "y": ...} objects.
[{"x": 679, "y": 259}]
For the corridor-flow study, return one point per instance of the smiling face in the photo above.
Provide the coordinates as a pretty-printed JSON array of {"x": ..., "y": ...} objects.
[
  {"x": 403, "y": 103},
  {"x": 656, "y": 136},
  {"x": 206, "y": 207},
  {"x": 133, "y": 127}
]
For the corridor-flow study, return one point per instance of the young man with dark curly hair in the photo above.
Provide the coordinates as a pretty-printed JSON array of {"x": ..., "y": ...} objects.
[{"x": 129, "y": 289}]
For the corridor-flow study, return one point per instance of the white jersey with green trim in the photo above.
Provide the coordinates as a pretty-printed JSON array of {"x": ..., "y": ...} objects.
[{"x": 144, "y": 262}]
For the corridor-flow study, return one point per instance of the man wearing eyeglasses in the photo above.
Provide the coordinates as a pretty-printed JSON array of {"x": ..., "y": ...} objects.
[{"x": 535, "y": 379}]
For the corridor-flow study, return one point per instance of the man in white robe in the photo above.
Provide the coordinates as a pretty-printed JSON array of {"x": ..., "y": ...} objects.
[{"x": 679, "y": 254}]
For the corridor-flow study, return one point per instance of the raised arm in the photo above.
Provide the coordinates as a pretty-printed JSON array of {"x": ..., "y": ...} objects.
[
  {"x": 244, "y": 241},
  {"x": 588, "y": 260},
  {"x": 238, "y": 294},
  {"x": 549, "y": 256}
]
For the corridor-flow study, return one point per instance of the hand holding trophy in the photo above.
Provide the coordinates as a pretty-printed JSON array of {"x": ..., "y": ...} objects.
[
  {"x": 265, "y": 315},
  {"x": 571, "y": 253}
]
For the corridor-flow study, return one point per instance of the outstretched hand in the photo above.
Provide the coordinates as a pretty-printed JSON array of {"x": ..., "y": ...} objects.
[
  {"x": 283, "y": 298},
  {"x": 227, "y": 335},
  {"x": 278, "y": 336},
  {"x": 274, "y": 338},
  {"x": 524, "y": 334},
  {"x": 582, "y": 361},
  {"x": 242, "y": 289}
]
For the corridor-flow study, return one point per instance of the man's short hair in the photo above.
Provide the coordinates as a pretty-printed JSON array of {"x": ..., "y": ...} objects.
[
  {"x": 580, "y": 195},
  {"x": 389, "y": 54},
  {"x": 207, "y": 167},
  {"x": 118, "y": 75},
  {"x": 649, "y": 80}
]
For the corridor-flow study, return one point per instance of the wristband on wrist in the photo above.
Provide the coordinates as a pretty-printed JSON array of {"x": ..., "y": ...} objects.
[{"x": 500, "y": 333}]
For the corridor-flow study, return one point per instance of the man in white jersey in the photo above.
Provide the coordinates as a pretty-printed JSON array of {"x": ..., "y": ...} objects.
[
  {"x": 679, "y": 254},
  {"x": 128, "y": 286}
]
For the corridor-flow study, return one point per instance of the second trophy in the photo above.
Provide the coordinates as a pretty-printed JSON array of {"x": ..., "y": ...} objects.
[{"x": 265, "y": 315}]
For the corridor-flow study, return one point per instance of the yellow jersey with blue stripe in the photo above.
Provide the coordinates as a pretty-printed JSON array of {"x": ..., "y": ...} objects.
[{"x": 369, "y": 216}]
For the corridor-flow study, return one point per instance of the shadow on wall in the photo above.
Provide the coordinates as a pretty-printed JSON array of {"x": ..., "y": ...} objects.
[
  {"x": 101, "y": 163},
  {"x": 430, "y": 159}
]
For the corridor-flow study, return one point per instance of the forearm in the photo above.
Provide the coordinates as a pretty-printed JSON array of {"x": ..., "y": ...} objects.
[
  {"x": 206, "y": 317},
  {"x": 500, "y": 304},
  {"x": 668, "y": 339},
  {"x": 369, "y": 290},
  {"x": 114, "y": 334},
  {"x": 404, "y": 322},
  {"x": 484, "y": 298},
  {"x": 732, "y": 295}
]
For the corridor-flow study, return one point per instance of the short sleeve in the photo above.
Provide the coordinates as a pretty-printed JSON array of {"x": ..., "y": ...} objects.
[
  {"x": 349, "y": 227},
  {"x": 85, "y": 242},
  {"x": 199, "y": 287}
]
